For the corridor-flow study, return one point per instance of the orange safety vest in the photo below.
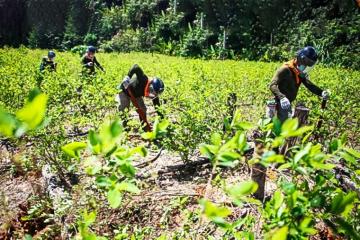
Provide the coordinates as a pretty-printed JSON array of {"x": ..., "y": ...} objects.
[
  {"x": 292, "y": 66},
  {"x": 141, "y": 113},
  {"x": 146, "y": 90}
]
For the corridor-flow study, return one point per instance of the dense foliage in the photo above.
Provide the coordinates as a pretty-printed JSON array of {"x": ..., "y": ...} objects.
[
  {"x": 308, "y": 190},
  {"x": 210, "y": 82},
  {"x": 246, "y": 29}
]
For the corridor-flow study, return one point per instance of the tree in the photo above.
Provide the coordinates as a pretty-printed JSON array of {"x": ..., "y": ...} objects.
[{"x": 12, "y": 22}]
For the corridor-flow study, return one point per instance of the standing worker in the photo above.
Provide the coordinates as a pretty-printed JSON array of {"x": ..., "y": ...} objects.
[
  {"x": 285, "y": 86},
  {"x": 133, "y": 89},
  {"x": 48, "y": 62},
  {"x": 89, "y": 61},
  {"x": 288, "y": 78}
]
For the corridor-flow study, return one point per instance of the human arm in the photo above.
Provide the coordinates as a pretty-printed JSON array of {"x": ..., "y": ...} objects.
[
  {"x": 312, "y": 87},
  {"x": 156, "y": 103},
  {"x": 42, "y": 64},
  {"x": 84, "y": 63},
  {"x": 279, "y": 76},
  {"x": 98, "y": 64},
  {"x": 140, "y": 76},
  {"x": 136, "y": 69}
]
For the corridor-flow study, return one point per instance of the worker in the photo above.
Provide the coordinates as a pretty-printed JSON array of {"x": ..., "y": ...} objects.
[
  {"x": 134, "y": 87},
  {"x": 48, "y": 62},
  {"x": 89, "y": 61},
  {"x": 288, "y": 78}
]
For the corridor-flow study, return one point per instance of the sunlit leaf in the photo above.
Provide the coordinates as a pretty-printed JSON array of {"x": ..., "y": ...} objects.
[
  {"x": 284, "y": 166},
  {"x": 162, "y": 126},
  {"x": 301, "y": 131},
  {"x": 289, "y": 127},
  {"x": 73, "y": 149},
  {"x": 326, "y": 166},
  {"x": 33, "y": 113},
  {"x": 129, "y": 187},
  {"x": 148, "y": 136},
  {"x": 162, "y": 237},
  {"x": 139, "y": 150},
  {"x": 300, "y": 154},
  {"x": 242, "y": 189},
  {"x": 228, "y": 156},
  {"x": 278, "y": 199},
  {"x": 272, "y": 157},
  {"x": 208, "y": 150},
  {"x": 242, "y": 143},
  {"x": 304, "y": 226},
  {"x": 8, "y": 123},
  {"x": 353, "y": 152},
  {"x": 230, "y": 164},
  {"x": 215, "y": 213},
  {"x": 278, "y": 234},
  {"x": 114, "y": 197},
  {"x": 109, "y": 134},
  {"x": 89, "y": 218},
  {"x": 348, "y": 157}
]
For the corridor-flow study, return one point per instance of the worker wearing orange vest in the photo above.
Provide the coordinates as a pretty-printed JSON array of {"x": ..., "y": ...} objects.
[
  {"x": 134, "y": 88},
  {"x": 288, "y": 78}
]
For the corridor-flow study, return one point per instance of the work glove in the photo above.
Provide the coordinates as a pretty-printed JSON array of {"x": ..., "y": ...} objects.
[
  {"x": 126, "y": 82},
  {"x": 89, "y": 64},
  {"x": 285, "y": 103},
  {"x": 325, "y": 95}
]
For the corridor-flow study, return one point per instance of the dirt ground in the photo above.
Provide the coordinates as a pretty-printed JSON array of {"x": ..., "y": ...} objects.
[
  {"x": 170, "y": 191},
  {"x": 163, "y": 182},
  {"x": 169, "y": 188}
]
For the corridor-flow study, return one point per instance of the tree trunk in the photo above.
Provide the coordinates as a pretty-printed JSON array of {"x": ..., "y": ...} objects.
[
  {"x": 258, "y": 171},
  {"x": 258, "y": 175},
  {"x": 302, "y": 114}
]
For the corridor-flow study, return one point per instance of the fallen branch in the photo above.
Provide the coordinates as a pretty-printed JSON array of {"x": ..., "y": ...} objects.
[
  {"x": 5, "y": 167},
  {"x": 78, "y": 134},
  {"x": 7, "y": 144},
  {"x": 347, "y": 184},
  {"x": 176, "y": 168},
  {"x": 179, "y": 167},
  {"x": 176, "y": 194},
  {"x": 144, "y": 164}
]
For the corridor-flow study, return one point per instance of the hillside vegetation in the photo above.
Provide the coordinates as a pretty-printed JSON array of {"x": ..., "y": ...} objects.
[{"x": 200, "y": 187}]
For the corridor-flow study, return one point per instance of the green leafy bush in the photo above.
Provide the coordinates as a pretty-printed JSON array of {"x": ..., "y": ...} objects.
[
  {"x": 194, "y": 43},
  {"x": 307, "y": 188}
]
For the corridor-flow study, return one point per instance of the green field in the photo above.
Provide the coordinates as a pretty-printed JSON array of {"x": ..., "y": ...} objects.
[
  {"x": 194, "y": 102},
  {"x": 196, "y": 90}
]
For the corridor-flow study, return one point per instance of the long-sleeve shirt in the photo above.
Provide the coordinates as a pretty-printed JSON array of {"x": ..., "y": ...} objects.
[
  {"x": 85, "y": 60},
  {"x": 46, "y": 64},
  {"x": 138, "y": 84},
  {"x": 284, "y": 84}
]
